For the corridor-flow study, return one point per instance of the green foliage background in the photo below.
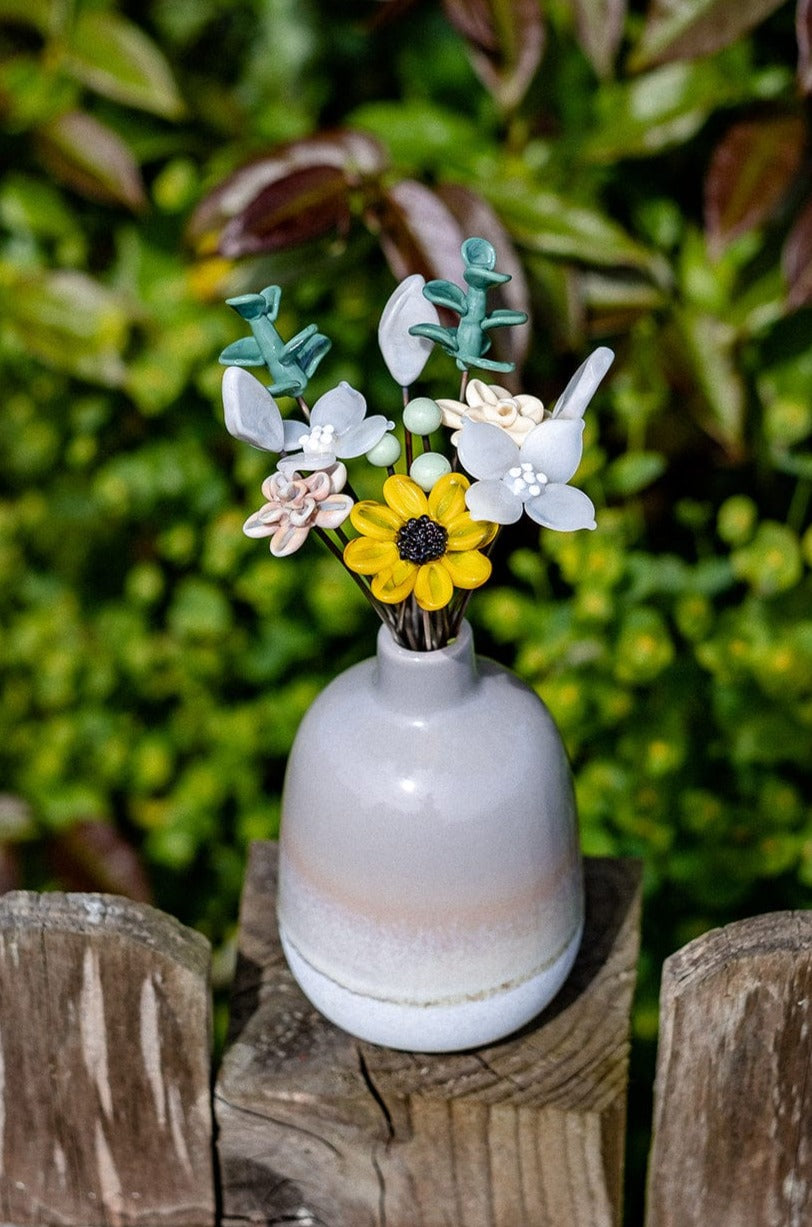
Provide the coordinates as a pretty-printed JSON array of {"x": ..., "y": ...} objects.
[{"x": 655, "y": 187}]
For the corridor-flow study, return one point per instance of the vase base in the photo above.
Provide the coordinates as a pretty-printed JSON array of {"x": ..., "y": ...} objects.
[{"x": 444, "y": 1027}]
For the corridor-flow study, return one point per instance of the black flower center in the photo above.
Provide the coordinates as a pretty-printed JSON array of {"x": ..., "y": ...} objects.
[{"x": 421, "y": 539}]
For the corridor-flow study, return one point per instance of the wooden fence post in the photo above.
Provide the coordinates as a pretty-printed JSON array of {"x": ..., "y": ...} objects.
[
  {"x": 318, "y": 1128},
  {"x": 105, "y": 1099},
  {"x": 733, "y": 1099}
]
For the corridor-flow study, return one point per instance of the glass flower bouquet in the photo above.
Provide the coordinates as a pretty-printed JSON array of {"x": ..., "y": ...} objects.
[
  {"x": 421, "y": 551},
  {"x": 430, "y": 885}
]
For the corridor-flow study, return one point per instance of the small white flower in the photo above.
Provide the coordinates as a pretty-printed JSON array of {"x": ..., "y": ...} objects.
[
  {"x": 405, "y": 355},
  {"x": 531, "y": 478},
  {"x": 338, "y": 429}
]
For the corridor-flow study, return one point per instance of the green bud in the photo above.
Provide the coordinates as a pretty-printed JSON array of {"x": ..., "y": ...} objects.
[{"x": 427, "y": 469}]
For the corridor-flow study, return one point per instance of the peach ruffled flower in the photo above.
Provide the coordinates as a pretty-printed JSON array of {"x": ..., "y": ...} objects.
[{"x": 296, "y": 504}]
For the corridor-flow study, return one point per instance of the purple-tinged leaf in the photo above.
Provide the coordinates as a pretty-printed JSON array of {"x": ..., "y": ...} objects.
[
  {"x": 797, "y": 259},
  {"x": 419, "y": 233},
  {"x": 304, "y": 204},
  {"x": 476, "y": 216},
  {"x": 92, "y": 159},
  {"x": 750, "y": 172},
  {"x": 505, "y": 41},
  {"x": 358, "y": 155},
  {"x": 687, "y": 29},
  {"x": 803, "y": 30},
  {"x": 600, "y": 29}
]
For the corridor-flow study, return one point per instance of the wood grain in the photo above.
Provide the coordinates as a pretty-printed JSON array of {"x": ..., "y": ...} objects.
[
  {"x": 733, "y": 1100},
  {"x": 319, "y": 1128},
  {"x": 105, "y": 1108}
]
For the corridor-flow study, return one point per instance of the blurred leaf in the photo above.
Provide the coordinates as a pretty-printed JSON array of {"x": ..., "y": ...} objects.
[
  {"x": 685, "y": 29},
  {"x": 550, "y": 224},
  {"x": 709, "y": 345},
  {"x": 797, "y": 259},
  {"x": 356, "y": 154},
  {"x": 303, "y": 205},
  {"x": 600, "y": 30},
  {"x": 69, "y": 322},
  {"x": 419, "y": 233},
  {"x": 667, "y": 106},
  {"x": 37, "y": 13},
  {"x": 750, "y": 172},
  {"x": 116, "y": 58},
  {"x": 94, "y": 856},
  {"x": 505, "y": 39},
  {"x": 16, "y": 820},
  {"x": 803, "y": 30},
  {"x": 476, "y": 217},
  {"x": 92, "y": 159},
  {"x": 421, "y": 135},
  {"x": 31, "y": 93},
  {"x": 632, "y": 473}
]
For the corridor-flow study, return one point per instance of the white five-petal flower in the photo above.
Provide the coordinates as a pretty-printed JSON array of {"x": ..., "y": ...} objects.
[
  {"x": 532, "y": 477},
  {"x": 531, "y": 473},
  {"x": 338, "y": 430},
  {"x": 405, "y": 355}
]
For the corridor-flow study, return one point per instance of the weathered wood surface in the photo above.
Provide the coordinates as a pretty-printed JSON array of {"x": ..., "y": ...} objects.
[
  {"x": 105, "y": 1095},
  {"x": 318, "y": 1128},
  {"x": 733, "y": 1100}
]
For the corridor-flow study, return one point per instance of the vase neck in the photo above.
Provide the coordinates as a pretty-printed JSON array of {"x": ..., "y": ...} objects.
[{"x": 425, "y": 681}]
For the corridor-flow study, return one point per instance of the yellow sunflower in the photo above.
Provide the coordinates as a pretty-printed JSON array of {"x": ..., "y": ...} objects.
[{"x": 425, "y": 544}]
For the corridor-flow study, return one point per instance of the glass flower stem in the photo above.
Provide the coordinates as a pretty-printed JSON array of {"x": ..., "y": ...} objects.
[
  {"x": 337, "y": 553},
  {"x": 305, "y": 408},
  {"x": 426, "y": 441},
  {"x": 409, "y": 449},
  {"x": 463, "y": 383}
]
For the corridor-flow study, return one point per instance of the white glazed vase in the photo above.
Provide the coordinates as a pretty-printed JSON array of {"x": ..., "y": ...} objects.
[{"x": 430, "y": 880}]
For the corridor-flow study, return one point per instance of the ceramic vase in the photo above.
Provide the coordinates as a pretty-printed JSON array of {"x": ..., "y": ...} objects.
[{"x": 430, "y": 891}]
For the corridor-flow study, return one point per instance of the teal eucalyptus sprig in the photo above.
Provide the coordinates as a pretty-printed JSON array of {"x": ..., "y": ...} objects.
[
  {"x": 290, "y": 363},
  {"x": 469, "y": 340}
]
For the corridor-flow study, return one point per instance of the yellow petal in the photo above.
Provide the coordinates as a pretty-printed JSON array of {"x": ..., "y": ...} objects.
[
  {"x": 405, "y": 497},
  {"x": 433, "y": 588},
  {"x": 447, "y": 498},
  {"x": 368, "y": 557},
  {"x": 375, "y": 520},
  {"x": 467, "y": 534},
  {"x": 468, "y": 569},
  {"x": 395, "y": 583}
]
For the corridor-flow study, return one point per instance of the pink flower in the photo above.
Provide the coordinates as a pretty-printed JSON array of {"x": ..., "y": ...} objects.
[{"x": 296, "y": 504}]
